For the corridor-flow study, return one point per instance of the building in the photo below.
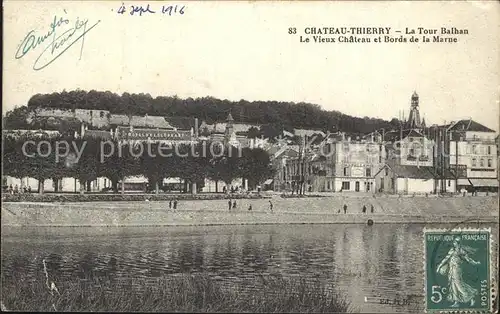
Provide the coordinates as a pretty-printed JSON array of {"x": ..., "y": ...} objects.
[
  {"x": 394, "y": 178},
  {"x": 352, "y": 164},
  {"x": 412, "y": 162},
  {"x": 409, "y": 147},
  {"x": 473, "y": 150},
  {"x": 280, "y": 156}
]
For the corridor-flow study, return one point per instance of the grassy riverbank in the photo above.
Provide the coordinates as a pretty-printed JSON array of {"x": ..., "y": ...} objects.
[
  {"x": 186, "y": 293},
  {"x": 285, "y": 211}
]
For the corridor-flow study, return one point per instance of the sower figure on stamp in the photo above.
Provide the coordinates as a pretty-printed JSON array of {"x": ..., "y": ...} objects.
[{"x": 451, "y": 266}]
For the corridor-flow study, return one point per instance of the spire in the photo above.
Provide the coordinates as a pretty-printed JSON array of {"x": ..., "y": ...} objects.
[
  {"x": 229, "y": 133},
  {"x": 414, "y": 117}
]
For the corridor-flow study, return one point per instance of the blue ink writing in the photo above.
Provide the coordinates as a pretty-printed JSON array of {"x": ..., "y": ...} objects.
[
  {"x": 140, "y": 10},
  {"x": 56, "y": 43},
  {"x": 169, "y": 9},
  {"x": 122, "y": 9}
]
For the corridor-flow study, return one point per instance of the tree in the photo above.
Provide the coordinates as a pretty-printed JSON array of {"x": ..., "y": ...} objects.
[
  {"x": 256, "y": 166},
  {"x": 87, "y": 167},
  {"x": 253, "y": 132},
  {"x": 193, "y": 164},
  {"x": 271, "y": 131},
  {"x": 14, "y": 160},
  {"x": 279, "y": 114},
  {"x": 152, "y": 166},
  {"x": 120, "y": 163},
  {"x": 40, "y": 161}
]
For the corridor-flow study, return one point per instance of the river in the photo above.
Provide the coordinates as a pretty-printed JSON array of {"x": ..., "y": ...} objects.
[{"x": 383, "y": 260}]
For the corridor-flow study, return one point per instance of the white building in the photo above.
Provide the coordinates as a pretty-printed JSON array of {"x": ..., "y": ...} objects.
[{"x": 472, "y": 146}]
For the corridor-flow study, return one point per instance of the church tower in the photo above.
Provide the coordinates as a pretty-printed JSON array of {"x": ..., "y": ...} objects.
[
  {"x": 229, "y": 132},
  {"x": 414, "y": 118}
]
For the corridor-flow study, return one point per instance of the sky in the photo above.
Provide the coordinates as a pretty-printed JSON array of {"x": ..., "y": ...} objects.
[{"x": 242, "y": 50}]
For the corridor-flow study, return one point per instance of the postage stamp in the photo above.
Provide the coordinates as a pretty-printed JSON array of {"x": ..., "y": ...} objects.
[{"x": 458, "y": 270}]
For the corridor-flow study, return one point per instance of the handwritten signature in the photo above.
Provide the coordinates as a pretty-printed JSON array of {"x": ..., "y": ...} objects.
[
  {"x": 139, "y": 9},
  {"x": 57, "y": 41}
]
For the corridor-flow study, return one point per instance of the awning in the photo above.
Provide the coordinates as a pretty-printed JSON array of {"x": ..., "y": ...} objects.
[
  {"x": 463, "y": 182},
  {"x": 268, "y": 181},
  {"x": 484, "y": 182},
  {"x": 136, "y": 179},
  {"x": 171, "y": 180}
]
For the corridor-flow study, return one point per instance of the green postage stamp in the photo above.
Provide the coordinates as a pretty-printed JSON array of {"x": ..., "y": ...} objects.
[{"x": 458, "y": 270}]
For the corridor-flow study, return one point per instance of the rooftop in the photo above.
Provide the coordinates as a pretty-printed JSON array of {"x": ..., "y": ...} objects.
[{"x": 469, "y": 125}]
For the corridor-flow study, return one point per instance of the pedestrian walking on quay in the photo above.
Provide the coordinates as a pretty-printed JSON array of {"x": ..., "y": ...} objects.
[
  {"x": 229, "y": 204},
  {"x": 345, "y": 209},
  {"x": 170, "y": 204},
  {"x": 234, "y": 204},
  {"x": 175, "y": 204},
  {"x": 271, "y": 206},
  {"x": 372, "y": 209},
  {"x": 250, "y": 208},
  {"x": 364, "y": 209}
]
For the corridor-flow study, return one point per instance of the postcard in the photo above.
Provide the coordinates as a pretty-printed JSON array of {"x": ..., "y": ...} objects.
[{"x": 250, "y": 156}]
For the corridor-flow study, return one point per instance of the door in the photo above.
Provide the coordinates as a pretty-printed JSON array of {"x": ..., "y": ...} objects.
[{"x": 357, "y": 186}]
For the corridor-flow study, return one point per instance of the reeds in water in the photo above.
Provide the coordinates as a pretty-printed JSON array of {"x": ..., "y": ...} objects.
[{"x": 186, "y": 293}]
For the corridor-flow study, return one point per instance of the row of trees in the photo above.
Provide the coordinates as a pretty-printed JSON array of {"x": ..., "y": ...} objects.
[
  {"x": 52, "y": 158},
  {"x": 282, "y": 115}
]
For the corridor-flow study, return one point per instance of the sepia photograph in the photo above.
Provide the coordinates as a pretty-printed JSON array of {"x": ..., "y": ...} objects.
[{"x": 250, "y": 156}]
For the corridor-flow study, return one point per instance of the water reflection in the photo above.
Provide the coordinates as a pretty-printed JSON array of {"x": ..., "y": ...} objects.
[{"x": 381, "y": 260}]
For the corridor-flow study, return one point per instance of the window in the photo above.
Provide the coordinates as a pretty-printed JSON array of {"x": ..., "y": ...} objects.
[
  {"x": 474, "y": 162},
  {"x": 386, "y": 171},
  {"x": 489, "y": 150},
  {"x": 489, "y": 163},
  {"x": 328, "y": 185},
  {"x": 345, "y": 171},
  {"x": 474, "y": 149},
  {"x": 481, "y": 162},
  {"x": 346, "y": 185},
  {"x": 449, "y": 183},
  {"x": 368, "y": 172}
]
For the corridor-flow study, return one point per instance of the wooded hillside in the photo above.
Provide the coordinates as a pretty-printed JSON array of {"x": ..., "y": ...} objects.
[{"x": 285, "y": 115}]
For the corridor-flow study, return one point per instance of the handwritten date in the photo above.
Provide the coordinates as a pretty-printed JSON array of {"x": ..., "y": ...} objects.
[{"x": 140, "y": 10}]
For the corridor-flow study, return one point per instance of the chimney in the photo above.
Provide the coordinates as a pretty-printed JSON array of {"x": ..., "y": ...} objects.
[{"x": 196, "y": 131}]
